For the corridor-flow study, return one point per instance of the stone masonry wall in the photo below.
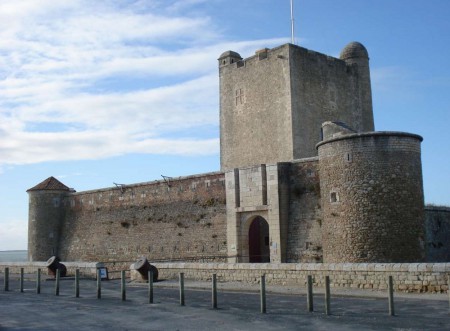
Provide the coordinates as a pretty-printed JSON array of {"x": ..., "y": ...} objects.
[
  {"x": 304, "y": 242},
  {"x": 372, "y": 197},
  {"x": 183, "y": 218},
  {"x": 323, "y": 88},
  {"x": 86, "y": 269},
  {"x": 272, "y": 105},
  {"x": 408, "y": 277},
  {"x": 437, "y": 233},
  {"x": 43, "y": 226},
  {"x": 255, "y": 115}
]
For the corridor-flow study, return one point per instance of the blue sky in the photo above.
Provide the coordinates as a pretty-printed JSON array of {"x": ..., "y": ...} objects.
[{"x": 96, "y": 92}]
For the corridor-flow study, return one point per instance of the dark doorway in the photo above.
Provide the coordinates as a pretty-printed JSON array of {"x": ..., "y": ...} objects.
[{"x": 258, "y": 241}]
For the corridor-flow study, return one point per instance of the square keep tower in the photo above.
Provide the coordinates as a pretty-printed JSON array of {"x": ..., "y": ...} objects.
[{"x": 272, "y": 105}]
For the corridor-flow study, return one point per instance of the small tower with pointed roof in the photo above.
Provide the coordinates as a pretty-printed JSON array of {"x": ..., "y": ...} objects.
[{"x": 44, "y": 218}]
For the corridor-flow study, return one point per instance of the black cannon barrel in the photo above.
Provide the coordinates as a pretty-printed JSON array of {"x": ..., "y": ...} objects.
[
  {"x": 143, "y": 267},
  {"x": 54, "y": 264}
]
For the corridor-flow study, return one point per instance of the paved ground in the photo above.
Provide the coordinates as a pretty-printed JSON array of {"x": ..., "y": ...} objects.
[{"x": 239, "y": 308}]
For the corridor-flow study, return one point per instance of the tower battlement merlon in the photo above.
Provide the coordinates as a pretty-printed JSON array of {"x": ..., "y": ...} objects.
[{"x": 232, "y": 59}]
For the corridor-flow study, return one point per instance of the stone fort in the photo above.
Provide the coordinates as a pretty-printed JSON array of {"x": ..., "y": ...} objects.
[{"x": 304, "y": 178}]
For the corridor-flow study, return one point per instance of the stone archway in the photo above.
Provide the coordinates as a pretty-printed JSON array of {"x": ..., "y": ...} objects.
[{"x": 258, "y": 241}]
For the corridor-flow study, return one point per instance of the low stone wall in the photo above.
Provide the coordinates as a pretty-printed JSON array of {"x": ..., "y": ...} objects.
[
  {"x": 408, "y": 277},
  {"x": 87, "y": 269}
]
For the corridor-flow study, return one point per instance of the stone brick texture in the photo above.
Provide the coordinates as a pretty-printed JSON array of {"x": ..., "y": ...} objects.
[
  {"x": 437, "y": 233},
  {"x": 44, "y": 224},
  {"x": 324, "y": 88},
  {"x": 272, "y": 107},
  {"x": 304, "y": 238},
  {"x": 372, "y": 198},
  {"x": 86, "y": 269},
  {"x": 255, "y": 129},
  {"x": 408, "y": 277},
  {"x": 179, "y": 219}
]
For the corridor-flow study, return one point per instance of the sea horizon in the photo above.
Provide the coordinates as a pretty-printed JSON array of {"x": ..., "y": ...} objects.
[
  {"x": 12, "y": 250},
  {"x": 14, "y": 255}
]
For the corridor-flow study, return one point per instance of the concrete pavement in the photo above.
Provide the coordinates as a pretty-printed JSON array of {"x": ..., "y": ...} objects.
[{"x": 239, "y": 308}]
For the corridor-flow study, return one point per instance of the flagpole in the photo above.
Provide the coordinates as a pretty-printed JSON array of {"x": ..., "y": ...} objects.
[{"x": 292, "y": 22}]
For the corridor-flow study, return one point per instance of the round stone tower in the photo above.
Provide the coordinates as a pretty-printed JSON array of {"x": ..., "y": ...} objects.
[
  {"x": 44, "y": 218},
  {"x": 356, "y": 55},
  {"x": 372, "y": 197}
]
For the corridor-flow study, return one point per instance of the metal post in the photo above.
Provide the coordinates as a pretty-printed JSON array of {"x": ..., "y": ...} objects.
[
  {"x": 99, "y": 284},
  {"x": 448, "y": 291},
  {"x": 150, "y": 286},
  {"x": 263, "y": 294},
  {"x": 181, "y": 289},
  {"x": 122, "y": 287},
  {"x": 391, "y": 296},
  {"x": 77, "y": 283},
  {"x": 21, "y": 280},
  {"x": 6, "y": 280},
  {"x": 292, "y": 22},
  {"x": 309, "y": 297},
  {"x": 214, "y": 291},
  {"x": 327, "y": 295},
  {"x": 38, "y": 281},
  {"x": 58, "y": 275}
]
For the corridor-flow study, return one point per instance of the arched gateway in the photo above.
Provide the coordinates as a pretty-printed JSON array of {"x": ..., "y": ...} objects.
[{"x": 258, "y": 241}]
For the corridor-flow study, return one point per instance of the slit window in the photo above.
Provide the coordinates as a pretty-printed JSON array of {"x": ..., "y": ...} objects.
[{"x": 334, "y": 197}]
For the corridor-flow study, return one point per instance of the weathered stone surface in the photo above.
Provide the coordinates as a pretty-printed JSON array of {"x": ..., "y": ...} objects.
[
  {"x": 180, "y": 219},
  {"x": 437, "y": 233},
  {"x": 369, "y": 275},
  {"x": 372, "y": 198},
  {"x": 272, "y": 104}
]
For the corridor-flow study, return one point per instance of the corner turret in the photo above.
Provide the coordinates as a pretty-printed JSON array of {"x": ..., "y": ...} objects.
[
  {"x": 228, "y": 57},
  {"x": 353, "y": 51},
  {"x": 372, "y": 197},
  {"x": 355, "y": 54},
  {"x": 44, "y": 218}
]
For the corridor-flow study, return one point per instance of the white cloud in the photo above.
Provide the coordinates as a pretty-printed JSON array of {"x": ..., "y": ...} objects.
[
  {"x": 87, "y": 80},
  {"x": 178, "y": 6},
  {"x": 13, "y": 235}
]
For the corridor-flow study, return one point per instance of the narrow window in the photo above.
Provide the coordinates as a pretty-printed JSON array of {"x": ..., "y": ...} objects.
[
  {"x": 239, "y": 96},
  {"x": 334, "y": 197}
]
